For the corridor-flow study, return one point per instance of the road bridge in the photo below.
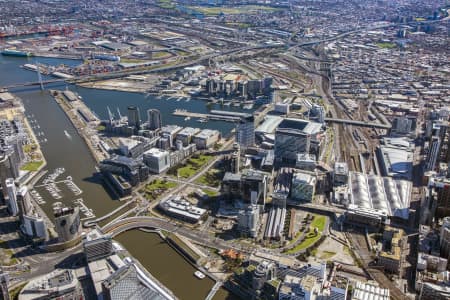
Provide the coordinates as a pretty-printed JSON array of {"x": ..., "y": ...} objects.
[
  {"x": 214, "y": 290},
  {"x": 358, "y": 123}
]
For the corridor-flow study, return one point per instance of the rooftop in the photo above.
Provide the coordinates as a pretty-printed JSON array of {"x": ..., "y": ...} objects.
[{"x": 381, "y": 193}]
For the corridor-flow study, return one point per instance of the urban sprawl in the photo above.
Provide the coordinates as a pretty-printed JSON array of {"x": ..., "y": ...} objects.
[{"x": 307, "y": 155}]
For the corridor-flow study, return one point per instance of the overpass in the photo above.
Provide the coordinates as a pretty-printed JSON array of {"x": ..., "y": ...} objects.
[{"x": 358, "y": 123}]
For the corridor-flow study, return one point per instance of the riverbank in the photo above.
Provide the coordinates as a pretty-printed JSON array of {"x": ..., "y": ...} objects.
[{"x": 175, "y": 271}]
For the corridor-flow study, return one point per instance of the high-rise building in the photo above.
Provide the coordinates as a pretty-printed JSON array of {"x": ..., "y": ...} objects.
[
  {"x": 433, "y": 154},
  {"x": 445, "y": 238},
  {"x": 303, "y": 187},
  {"x": 267, "y": 85},
  {"x": 134, "y": 118},
  {"x": 154, "y": 119},
  {"x": 12, "y": 196},
  {"x": 248, "y": 221},
  {"x": 35, "y": 226},
  {"x": 245, "y": 131},
  {"x": 67, "y": 222},
  {"x": 23, "y": 202},
  {"x": 294, "y": 136}
]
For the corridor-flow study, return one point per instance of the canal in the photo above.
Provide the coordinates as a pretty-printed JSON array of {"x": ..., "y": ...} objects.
[{"x": 69, "y": 151}]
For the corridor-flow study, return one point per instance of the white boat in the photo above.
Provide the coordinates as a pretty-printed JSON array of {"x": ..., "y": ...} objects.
[
  {"x": 202, "y": 120},
  {"x": 187, "y": 118},
  {"x": 199, "y": 275},
  {"x": 67, "y": 134}
]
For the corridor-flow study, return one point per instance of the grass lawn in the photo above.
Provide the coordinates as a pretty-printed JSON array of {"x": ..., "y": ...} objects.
[
  {"x": 30, "y": 147},
  {"x": 327, "y": 255},
  {"x": 210, "y": 193},
  {"x": 310, "y": 237},
  {"x": 160, "y": 54},
  {"x": 193, "y": 165},
  {"x": 386, "y": 45},
  {"x": 6, "y": 255},
  {"x": 165, "y": 4},
  {"x": 14, "y": 293},
  {"x": 211, "y": 178},
  {"x": 157, "y": 187},
  {"x": 181, "y": 53},
  {"x": 32, "y": 166}
]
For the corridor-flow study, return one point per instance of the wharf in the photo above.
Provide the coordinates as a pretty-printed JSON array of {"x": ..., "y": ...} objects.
[
  {"x": 84, "y": 121},
  {"x": 218, "y": 117}
]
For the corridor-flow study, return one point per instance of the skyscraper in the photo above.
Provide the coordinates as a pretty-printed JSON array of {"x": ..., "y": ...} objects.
[
  {"x": 154, "y": 119},
  {"x": 12, "y": 197},
  {"x": 67, "y": 222},
  {"x": 134, "y": 118},
  {"x": 245, "y": 131},
  {"x": 23, "y": 202}
]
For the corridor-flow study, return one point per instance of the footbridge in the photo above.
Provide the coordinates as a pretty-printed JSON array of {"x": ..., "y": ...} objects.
[{"x": 198, "y": 237}]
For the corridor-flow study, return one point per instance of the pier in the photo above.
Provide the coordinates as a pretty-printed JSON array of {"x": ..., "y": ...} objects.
[{"x": 218, "y": 117}]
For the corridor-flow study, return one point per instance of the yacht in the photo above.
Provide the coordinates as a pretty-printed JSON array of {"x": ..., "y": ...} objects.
[{"x": 199, "y": 275}]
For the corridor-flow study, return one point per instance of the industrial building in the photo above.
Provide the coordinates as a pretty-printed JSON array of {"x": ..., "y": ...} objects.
[
  {"x": 157, "y": 160},
  {"x": 303, "y": 186},
  {"x": 182, "y": 209},
  {"x": 294, "y": 136},
  {"x": 206, "y": 138}
]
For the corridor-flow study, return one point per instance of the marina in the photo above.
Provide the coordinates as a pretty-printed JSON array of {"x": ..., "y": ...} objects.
[{"x": 97, "y": 201}]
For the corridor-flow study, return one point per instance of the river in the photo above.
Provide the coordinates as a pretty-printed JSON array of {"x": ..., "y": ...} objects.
[{"x": 70, "y": 152}]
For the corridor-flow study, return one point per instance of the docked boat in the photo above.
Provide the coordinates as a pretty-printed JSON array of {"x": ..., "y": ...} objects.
[
  {"x": 11, "y": 52},
  {"x": 187, "y": 118},
  {"x": 199, "y": 275}
]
